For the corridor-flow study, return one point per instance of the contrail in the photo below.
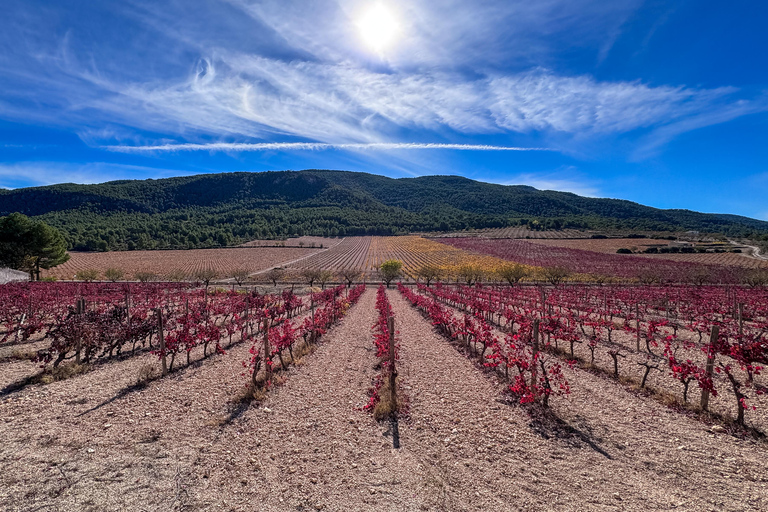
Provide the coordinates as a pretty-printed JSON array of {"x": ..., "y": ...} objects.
[{"x": 312, "y": 146}]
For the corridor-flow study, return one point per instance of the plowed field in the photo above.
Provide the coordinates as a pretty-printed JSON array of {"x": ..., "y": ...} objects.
[{"x": 164, "y": 263}]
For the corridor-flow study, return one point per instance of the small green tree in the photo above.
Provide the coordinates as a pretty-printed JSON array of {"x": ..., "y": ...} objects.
[
  {"x": 390, "y": 270},
  {"x": 114, "y": 274},
  {"x": 512, "y": 273}
]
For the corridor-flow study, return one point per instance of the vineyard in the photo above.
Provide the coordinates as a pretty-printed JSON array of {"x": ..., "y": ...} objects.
[
  {"x": 173, "y": 265},
  {"x": 595, "y": 265},
  {"x": 715, "y": 338},
  {"x": 416, "y": 252},
  {"x": 181, "y": 397},
  {"x": 461, "y": 259},
  {"x": 520, "y": 232},
  {"x": 611, "y": 245}
]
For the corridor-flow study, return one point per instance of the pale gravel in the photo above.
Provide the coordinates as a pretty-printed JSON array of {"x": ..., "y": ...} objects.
[{"x": 179, "y": 444}]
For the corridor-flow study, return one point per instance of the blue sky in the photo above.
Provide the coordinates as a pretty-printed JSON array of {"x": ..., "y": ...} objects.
[{"x": 660, "y": 102}]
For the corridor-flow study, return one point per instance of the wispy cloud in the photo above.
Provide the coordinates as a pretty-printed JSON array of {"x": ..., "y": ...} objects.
[
  {"x": 31, "y": 174},
  {"x": 564, "y": 179},
  {"x": 313, "y": 146},
  {"x": 304, "y": 76}
]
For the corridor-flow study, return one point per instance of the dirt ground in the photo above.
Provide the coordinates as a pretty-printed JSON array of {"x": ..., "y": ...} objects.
[{"x": 99, "y": 442}]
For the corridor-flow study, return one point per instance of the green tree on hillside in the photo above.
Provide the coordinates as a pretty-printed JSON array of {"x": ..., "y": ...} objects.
[{"x": 30, "y": 246}]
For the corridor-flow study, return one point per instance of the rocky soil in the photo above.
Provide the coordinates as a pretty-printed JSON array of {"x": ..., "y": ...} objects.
[{"x": 99, "y": 442}]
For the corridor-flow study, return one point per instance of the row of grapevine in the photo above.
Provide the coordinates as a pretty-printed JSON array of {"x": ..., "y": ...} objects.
[
  {"x": 383, "y": 393},
  {"x": 694, "y": 332},
  {"x": 281, "y": 334},
  {"x": 538, "y": 375}
]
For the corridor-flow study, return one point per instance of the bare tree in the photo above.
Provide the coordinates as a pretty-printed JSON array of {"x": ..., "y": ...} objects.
[
  {"x": 512, "y": 273},
  {"x": 240, "y": 275},
  {"x": 145, "y": 277},
  {"x": 310, "y": 275},
  {"x": 275, "y": 274},
  {"x": 469, "y": 274},
  {"x": 206, "y": 275},
  {"x": 555, "y": 275},
  {"x": 648, "y": 276},
  {"x": 429, "y": 273},
  {"x": 176, "y": 275},
  {"x": 350, "y": 275},
  {"x": 755, "y": 277},
  {"x": 323, "y": 277}
]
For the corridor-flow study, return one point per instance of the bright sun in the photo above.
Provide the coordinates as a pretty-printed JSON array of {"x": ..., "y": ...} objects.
[{"x": 378, "y": 27}]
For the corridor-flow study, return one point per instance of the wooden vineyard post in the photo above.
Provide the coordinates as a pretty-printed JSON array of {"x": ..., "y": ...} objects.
[
  {"x": 267, "y": 359},
  {"x": 637, "y": 321},
  {"x": 128, "y": 311},
  {"x": 79, "y": 311},
  {"x": 392, "y": 369},
  {"x": 741, "y": 320},
  {"x": 161, "y": 340},
  {"x": 535, "y": 357},
  {"x": 710, "y": 365},
  {"x": 312, "y": 308},
  {"x": 247, "y": 313}
]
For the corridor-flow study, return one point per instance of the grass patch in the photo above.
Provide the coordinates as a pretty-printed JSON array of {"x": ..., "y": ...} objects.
[
  {"x": 388, "y": 406},
  {"x": 63, "y": 372}
]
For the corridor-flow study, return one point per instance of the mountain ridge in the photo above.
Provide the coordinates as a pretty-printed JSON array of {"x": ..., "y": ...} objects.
[{"x": 209, "y": 210}]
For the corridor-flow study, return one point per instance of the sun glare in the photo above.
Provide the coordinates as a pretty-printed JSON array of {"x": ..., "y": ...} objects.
[{"x": 378, "y": 27}]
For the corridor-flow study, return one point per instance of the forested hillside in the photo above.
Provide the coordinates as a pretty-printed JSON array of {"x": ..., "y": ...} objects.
[{"x": 213, "y": 210}]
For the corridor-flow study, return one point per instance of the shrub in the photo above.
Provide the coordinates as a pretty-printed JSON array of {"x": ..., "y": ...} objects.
[
  {"x": 87, "y": 275},
  {"x": 114, "y": 274},
  {"x": 623, "y": 251},
  {"x": 145, "y": 277}
]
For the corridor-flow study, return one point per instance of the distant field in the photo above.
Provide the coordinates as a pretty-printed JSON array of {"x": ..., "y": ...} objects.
[
  {"x": 611, "y": 245},
  {"x": 366, "y": 254},
  {"x": 164, "y": 263},
  {"x": 519, "y": 232},
  {"x": 581, "y": 261},
  {"x": 302, "y": 241}
]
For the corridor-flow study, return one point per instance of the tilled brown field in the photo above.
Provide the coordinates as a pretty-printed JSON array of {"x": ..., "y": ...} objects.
[
  {"x": 164, "y": 263},
  {"x": 100, "y": 443}
]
